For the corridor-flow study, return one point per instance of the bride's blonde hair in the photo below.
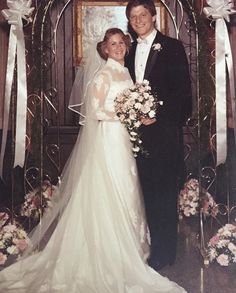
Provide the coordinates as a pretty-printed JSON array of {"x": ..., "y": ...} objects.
[{"x": 101, "y": 46}]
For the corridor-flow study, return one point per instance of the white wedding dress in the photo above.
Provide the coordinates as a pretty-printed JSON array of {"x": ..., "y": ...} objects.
[{"x": 100, "y": 243}]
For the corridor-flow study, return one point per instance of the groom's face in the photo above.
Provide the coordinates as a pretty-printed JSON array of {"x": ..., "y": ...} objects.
[{"x": 142, "y": 21}]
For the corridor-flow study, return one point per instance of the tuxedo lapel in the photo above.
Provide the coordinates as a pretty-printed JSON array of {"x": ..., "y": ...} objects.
[
  {"x": 153, "y": 55},
  {"x": 150, "y": 62},
  {"x": 132, "y": 61}
]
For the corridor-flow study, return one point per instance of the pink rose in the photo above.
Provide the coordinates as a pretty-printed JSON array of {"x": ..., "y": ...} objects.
[
  {"x": 214, "y": 240},
  {"x": 21, "y": 244}
]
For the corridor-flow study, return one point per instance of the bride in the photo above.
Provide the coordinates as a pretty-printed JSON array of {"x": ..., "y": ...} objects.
[{"x": 100, "y": 243}]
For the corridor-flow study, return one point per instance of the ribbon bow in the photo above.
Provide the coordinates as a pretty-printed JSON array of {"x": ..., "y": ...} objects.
[
  {"x": 219, "y": 11},
  {"x": 18, "y": 10}
]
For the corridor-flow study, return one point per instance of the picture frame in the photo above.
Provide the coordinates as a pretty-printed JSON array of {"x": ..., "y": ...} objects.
[{"x": 92, "y": 18}]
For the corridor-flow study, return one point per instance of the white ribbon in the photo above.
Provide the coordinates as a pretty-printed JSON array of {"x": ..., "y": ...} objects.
[
  {"x": 219, "y": 11},
  {"x": 18, "y": 10}
]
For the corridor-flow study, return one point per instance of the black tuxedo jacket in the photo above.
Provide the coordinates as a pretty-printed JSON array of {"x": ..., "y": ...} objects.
[{"x": 168, "y": 73}]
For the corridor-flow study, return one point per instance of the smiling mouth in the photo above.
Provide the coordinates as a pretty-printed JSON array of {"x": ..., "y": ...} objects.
[{"x": 142, "y": 26}]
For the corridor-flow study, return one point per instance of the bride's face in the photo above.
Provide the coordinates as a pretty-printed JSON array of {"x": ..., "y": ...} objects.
[{"x": 116, "y": 48}]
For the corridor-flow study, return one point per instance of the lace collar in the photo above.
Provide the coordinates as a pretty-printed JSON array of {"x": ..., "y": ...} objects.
[{"x": 115, "y": 65}]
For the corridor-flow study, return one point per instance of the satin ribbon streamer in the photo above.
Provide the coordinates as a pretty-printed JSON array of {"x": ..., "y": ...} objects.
[
  {"x": 219, "y": 11},
  {"x": 18, "y": 10}
]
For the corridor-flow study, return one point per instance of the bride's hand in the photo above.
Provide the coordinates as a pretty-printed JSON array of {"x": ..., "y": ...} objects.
[{"x": 148, "y": 121}]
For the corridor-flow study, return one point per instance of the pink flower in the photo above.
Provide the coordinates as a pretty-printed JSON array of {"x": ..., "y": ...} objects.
[
  {"x": 3, "y": 258},
  {"x": 4, "y": 216},
  {"x": 206, "y": 204},
  {"x": 214, "y": 240},
  {"x": 21, "y": 244}
]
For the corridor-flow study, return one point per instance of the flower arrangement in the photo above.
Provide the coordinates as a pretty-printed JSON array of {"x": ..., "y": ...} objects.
[
  {"x": 38, "y": 200},
  {"x": 13, "y": 241},
  {"x": 190, "y": 200},
  {"x": 131, "y": 107},
  {"x": 222, "y": 247}
]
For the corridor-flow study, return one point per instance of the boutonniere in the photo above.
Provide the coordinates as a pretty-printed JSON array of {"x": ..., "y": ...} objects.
[{"x": 157, "y": 47}]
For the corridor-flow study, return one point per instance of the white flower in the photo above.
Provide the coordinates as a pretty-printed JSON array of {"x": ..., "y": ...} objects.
[
  {"x": 2, "y": 245},
  {"x": 232, "y": 247},
  {"x": 133, "y": 133},
  {"x": 223, "y": 260},
  {"x": 134, "y": 95},
  {"x": 9, "y": 228},
  {"x": 151, "y": 114},
  {"x": 145, "y": 82},
  {"x": 22, "y": 233},
  {"x": 12, "y": 249},
  {"x": 137, "y": 124},
  {"x": 136, "y": 149},
  {"x": 146, "y": 95},
  {"x": 157, "y": 47},
  {"x": 212, "y": 254},
  {"x": 146, "y": 109},
  {"x": 138, "y": 105}
]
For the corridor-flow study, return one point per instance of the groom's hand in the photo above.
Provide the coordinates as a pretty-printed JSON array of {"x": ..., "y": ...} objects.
[{"x": 148, "y": 121}]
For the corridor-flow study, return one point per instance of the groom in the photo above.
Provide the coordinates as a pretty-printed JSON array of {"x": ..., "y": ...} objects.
[{"x": 162, "y": 61}]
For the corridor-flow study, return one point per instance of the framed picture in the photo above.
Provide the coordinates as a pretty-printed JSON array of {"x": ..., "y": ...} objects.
[{"x": 93, "y": 18}]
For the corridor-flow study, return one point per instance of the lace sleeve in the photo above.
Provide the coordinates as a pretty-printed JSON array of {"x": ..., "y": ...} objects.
[{"x": 100, "y": 89}]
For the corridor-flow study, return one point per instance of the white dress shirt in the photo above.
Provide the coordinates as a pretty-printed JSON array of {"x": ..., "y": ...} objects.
[{"x": 141, "y": 54}]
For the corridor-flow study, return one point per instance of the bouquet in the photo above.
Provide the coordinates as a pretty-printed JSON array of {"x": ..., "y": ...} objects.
[
  {"x": 13, "y": 241},
  {"x": 222, "y": 246},
  {"x": 38, "y": 200},
  {"x": 190, "y": 200},
  {"x": 131, "y": 106}
]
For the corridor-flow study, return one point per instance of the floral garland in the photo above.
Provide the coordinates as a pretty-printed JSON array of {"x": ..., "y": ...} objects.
[
  {"x": 190, "y": 200},
  {"x": 13, "y": 239},
  {"x": 222, "y": 247},
  {"x": 38, "y": 200}
]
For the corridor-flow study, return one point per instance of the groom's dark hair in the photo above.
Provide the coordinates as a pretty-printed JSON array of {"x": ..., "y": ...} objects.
[{"x": 148, "y": 4}]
